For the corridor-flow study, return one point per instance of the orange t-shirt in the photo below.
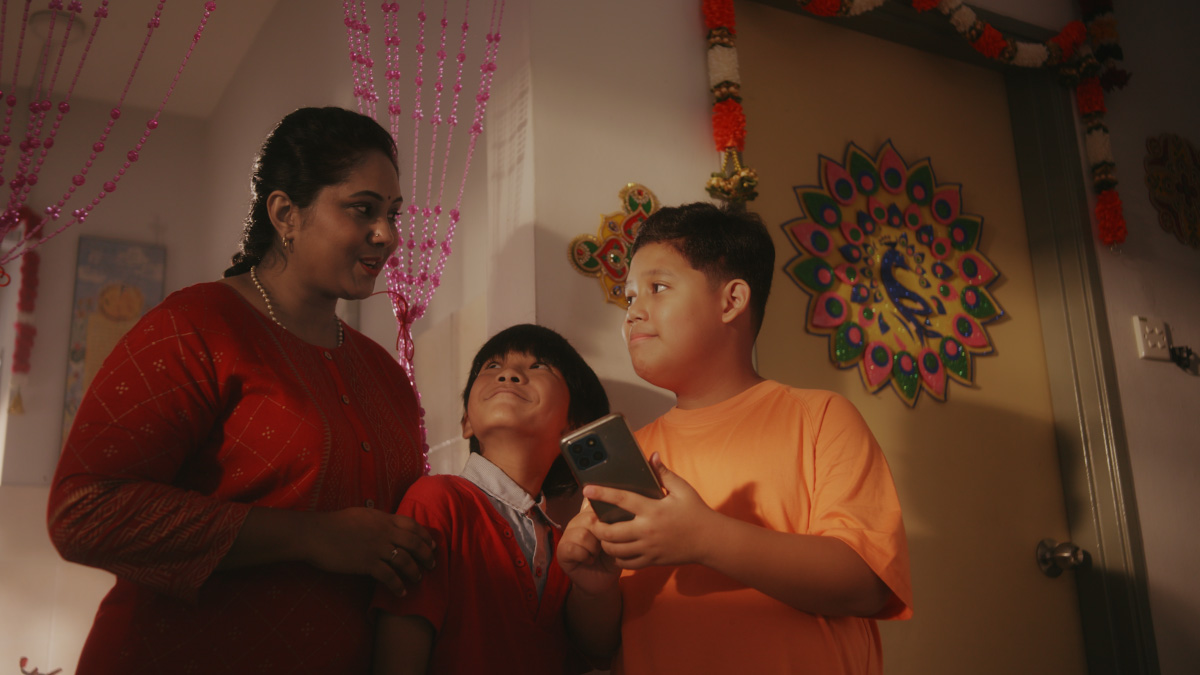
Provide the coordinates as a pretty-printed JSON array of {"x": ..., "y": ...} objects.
[{"x": 790, "y": 460}]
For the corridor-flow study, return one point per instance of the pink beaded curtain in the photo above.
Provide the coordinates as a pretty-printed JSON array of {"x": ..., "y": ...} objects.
[
  {"x": 427, "y": 226},
  {"x": 35, "y": 141}
]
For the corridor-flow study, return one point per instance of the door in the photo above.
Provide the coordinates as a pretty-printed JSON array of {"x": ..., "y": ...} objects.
[{"x": 978, "y": 474}]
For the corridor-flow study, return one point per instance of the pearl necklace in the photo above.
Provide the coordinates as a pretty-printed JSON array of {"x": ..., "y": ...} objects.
[{"x": 271, "y": 309}]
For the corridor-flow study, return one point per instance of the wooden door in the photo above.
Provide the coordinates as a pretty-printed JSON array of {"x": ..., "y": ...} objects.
[{"x": 978, "y": 474}]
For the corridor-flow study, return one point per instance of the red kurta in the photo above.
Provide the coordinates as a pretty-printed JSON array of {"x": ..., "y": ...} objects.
[
  {"x": 204, "y": 409},
  {"x": 480, "y": 597}
]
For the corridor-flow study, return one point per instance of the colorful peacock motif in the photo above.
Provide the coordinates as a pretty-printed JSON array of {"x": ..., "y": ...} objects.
[
  {"x": 894, "y": 273},
  {"x": 605, "y": 255}
]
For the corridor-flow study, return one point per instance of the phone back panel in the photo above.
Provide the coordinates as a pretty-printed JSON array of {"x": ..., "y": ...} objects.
[{"x": 606, "y": 453}]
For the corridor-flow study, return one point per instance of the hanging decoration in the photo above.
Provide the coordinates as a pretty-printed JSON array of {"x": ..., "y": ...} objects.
[
  {"x": 1173, "y": 178},
  {"x": 427, "y": 228},
  {"x": 1085, "y": 52},
  {"x": 734, "y": 183},
  {"x": 605, "y": 255},
  {"x": 25, "y": 661},
  {"x": 24, "y": 328},
  {"x": 896, "y": 280},
  {"x": 35, "y": 141}
]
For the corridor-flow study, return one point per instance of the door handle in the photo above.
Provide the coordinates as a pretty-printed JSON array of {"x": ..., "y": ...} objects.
[{"x": 1054, "y": 557}]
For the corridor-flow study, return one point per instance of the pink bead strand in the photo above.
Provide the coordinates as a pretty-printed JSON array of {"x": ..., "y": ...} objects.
[
  {"x": 417, "y": 116},
  {"x": 391, "y": 18},
  {"x": 414, "y": 272},
  {"x": 80, "y": 214},
  {"x": 453, "y": 122}
]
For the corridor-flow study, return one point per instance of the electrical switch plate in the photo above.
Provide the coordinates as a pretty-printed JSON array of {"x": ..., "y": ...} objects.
[{"x": 1151, "y": 336}]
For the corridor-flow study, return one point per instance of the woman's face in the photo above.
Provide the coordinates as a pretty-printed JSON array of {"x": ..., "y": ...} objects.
[{"x": 348, "y": 231}]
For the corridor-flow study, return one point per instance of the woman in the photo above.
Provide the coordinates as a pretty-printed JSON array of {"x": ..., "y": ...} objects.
[{"x": 237, "y": 460}]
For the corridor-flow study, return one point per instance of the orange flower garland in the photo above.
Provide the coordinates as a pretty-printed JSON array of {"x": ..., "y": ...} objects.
[
  {"x": 1110, "y": 218},
  {"x": 1086, "y": 52},
  {"x": 24, "y": 328},
  {"x": 1089, "y": 96},
  {"x": 719, "y": 13},
  {"x": 824, "y": 7},
  {"x": 729, "y": 125},
  {"x": 990, "y": 42},
  {"x": 1069, "y": 38},
  {"x": 733, "y": 183}
]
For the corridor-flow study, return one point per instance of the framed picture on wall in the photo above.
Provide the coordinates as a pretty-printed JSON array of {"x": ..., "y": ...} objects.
[{"x": 115, "y": 283}]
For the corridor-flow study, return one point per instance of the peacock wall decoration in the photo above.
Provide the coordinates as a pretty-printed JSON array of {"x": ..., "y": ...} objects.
[{"x": 893, "y": 271}]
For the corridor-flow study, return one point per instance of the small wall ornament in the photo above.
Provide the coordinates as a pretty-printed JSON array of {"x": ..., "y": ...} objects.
[
  {"x": 605, "y": 255},
  {"x": 895, "y": 277},
  {"x": 1173, "y": 178}
]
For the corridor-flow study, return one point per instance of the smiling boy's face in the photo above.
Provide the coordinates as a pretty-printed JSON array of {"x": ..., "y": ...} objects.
[
  {"x": 517, "y": 394},
  {"x": 673, "y": 322}
]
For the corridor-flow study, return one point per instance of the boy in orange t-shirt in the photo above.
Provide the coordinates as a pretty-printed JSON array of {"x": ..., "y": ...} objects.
[{"x": 780, "y": 541}]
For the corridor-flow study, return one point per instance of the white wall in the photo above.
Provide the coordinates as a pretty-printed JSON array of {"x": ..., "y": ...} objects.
[
  {"x": 620, "y": 96},
  {"x": 1154, "y": 274}
]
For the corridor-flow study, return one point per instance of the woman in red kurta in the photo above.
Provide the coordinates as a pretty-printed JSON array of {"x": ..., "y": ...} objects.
[{"x": 237, "y": 460}]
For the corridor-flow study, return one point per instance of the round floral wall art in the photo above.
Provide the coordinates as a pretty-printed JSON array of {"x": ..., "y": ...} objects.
[{"x": 894, "y": 274}]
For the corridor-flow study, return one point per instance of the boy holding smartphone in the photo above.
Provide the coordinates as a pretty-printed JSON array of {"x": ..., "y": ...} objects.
[
  {"x": 780, "y": 541},
  {"x": 493, "y": 602}
]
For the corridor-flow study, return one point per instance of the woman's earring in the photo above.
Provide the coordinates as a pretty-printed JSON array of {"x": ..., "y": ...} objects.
[{"x": 289, "y": 244}]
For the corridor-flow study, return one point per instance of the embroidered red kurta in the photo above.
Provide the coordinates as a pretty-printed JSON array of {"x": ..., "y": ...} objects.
[
  {"x": 480, "y": 598},
  {"x": 203, "y": 410}
]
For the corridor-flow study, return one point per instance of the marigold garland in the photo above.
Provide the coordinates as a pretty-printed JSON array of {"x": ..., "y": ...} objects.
[
  {"x": 25, "y": 331},
  {"x": 1069, "y": 38},
  {"x": 1089, "y": 96},
  {"x": 1086, "y": 53},
  {"x": 719, "y": 13},
  {"x": 990, "y": 42},
  {"x": 1110, "y": 218},
  {"x": 826, "y": 7},
  {"x": 729, "y": 125},
  {"x": 734, "y": 182}
]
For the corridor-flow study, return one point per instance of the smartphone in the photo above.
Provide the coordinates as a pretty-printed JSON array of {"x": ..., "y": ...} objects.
[{"x": 606, "y": 453}]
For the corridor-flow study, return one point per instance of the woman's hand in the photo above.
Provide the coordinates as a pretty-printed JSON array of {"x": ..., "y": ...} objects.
[{"x": 393, "y": 549}]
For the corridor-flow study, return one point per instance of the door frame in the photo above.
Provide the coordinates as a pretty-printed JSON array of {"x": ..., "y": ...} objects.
[{"x": 1089, "y": 426}]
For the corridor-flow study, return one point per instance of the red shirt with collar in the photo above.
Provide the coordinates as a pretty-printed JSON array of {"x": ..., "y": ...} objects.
[{"x": 480, "y": 598}]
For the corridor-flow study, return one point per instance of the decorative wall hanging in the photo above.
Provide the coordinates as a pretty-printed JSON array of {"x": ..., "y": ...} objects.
[
  {"x": 1086, "y": 53},
  {"x": 115, "y": 283},
  {"x": 895, "y": 277},
  {"x": 34, "y": 143},
  {"x": 605, "y": 255},
  {"x": 1173, "y": 178},
  {"x": 734, "y": 182},
  {"x": 414, "y": 272},
  {"x": 25, "y": 328}
]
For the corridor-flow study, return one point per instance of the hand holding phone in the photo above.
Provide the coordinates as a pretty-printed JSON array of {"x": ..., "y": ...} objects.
[{"x": 606, "y": 453}]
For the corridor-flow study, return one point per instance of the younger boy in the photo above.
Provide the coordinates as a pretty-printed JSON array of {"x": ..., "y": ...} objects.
[
  {"x": 493, "y": 602},
  {"x": 779, "y": 541}
]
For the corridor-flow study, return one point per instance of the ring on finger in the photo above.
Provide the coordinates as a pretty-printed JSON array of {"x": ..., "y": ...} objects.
[{"x": 395, "y": 552}]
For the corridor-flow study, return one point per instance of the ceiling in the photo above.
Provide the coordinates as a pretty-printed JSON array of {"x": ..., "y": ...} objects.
[{"x": 227, "y": 37}]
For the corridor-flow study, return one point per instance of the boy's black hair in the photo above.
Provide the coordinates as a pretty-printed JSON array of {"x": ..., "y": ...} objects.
[
  {"x": 588, "y": 398},
  {"x": 723, "y": 243}
]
